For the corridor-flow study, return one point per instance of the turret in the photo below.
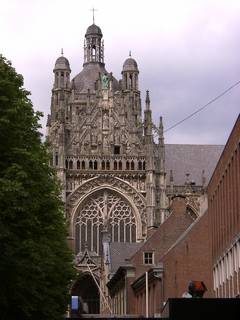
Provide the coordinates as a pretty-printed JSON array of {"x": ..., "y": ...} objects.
[
  {"x": 130, "y": 74},
  {"x": 93, "y": 45},
  {"x": 62, "y": 73}
]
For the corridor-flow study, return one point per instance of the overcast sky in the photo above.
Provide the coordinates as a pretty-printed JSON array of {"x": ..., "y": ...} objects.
[{"x": 187, "y": 52}]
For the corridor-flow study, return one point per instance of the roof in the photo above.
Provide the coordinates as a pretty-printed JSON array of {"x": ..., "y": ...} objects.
[
  {"x": 89, "y": 75},
  {"x": 62, "y": 63},
  {"x": 93, "y": 30},
  {"x": 130, "y": 65},
  {"x": 192, "y": 159},
  {"x": 120, "y": 251}
]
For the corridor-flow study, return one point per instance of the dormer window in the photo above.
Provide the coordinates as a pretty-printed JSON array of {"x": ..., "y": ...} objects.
[{"x": 148, "y": 258}]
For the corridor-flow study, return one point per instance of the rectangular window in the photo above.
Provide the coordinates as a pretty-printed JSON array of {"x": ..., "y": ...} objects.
[
  {"x": 148, "y": 258},
  {"x": 116, "y": 149}
]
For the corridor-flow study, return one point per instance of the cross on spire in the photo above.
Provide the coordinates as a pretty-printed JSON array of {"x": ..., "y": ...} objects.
[{"x": 93, "y": 10}]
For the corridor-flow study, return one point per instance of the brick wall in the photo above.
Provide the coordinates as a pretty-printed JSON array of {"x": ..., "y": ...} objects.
[
  {"x": 161, "y": 240},
  {"x": 189, "y": 259},
  {"x": 224, "y": 213}
]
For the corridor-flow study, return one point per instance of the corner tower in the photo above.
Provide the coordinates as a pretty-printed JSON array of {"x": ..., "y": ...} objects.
[{"x": 130, "y": 74}]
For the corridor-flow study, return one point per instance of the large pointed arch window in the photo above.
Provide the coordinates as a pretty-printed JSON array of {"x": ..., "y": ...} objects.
[{"x": 101, "y": 211}]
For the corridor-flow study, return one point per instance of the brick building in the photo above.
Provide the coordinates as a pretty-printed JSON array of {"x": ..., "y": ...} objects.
[
  {"x": 224, "y": 213},
  {"x": 172, "y": 256},
  {"x": 189, "y": 259},
  {"x": 189, "y": 247}
]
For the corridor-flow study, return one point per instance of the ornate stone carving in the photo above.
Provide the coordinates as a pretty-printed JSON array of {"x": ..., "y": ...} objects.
[{"x": 135, "y": 199}]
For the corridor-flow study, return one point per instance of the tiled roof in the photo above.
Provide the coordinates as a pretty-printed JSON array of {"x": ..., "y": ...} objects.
[
  {"x": 89, "y": 75},
  {"x": 120, "y": 251},
  {"x": 192, "y": 159}
]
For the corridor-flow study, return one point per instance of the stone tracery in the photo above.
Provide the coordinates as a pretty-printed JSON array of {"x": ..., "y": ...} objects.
[{"x": 104, "y": 210}]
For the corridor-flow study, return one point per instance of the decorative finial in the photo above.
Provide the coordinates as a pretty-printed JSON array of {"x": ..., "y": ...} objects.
[
  {"x": 62, "y": 51},
  {"x": 147, "y": 98},
  {"x": 160, "y": 123},
  {"x": 93, "y": 10},
  {"x": 130, "y": 53},
  {"x": 161, "y": 137}
]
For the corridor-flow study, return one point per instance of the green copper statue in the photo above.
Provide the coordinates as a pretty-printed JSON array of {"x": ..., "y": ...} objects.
[{"x": 105, "y": 81}]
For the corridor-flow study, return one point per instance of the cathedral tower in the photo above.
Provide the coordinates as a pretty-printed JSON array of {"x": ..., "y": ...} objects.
[{"x": 104, "y": 155}]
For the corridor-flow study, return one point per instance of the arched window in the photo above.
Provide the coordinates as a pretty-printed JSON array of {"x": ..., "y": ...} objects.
[
  {"x": 144, "y": 165},
  {"x": 108, "y": 165},
  {"x": 90, "y": 164},
  {"x": 66, "y": 164},
  {"x": 83, "y": 165},
  {"x": 115, "y": 165},
  {"x": 103, "y": 165},
  {"x": 120, "y": 165},
  {"x": 132, "y": 165},
  {"x": 127, "y": 165},
  {"x": 95, "y": 165},
  {"x": 139, "y": 165},
  {"x": 94, "y": 53},
  {"x": 78, "y": 164},
  {"x": 56, "y": 159},
  {"x": 131, "y": 81},
  {"x": 62, "y": 80},
  {"x": 70, "y": 164},
  {"x": 90, "y": 219}
]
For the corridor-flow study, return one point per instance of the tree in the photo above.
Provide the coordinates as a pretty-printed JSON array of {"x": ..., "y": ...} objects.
[{"x": 35, "y": 262}]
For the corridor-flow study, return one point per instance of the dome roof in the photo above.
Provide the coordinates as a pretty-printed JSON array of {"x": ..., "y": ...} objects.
[
  {"x": 88, "y": 76},
  {"x": 62, "y": 63},
  {"x": 130, "y": 65},
  {"x": 93, "y": 30}
]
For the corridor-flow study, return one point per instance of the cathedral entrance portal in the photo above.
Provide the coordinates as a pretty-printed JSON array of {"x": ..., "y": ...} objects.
[
  {"x": 104, "y": 210},
  {"x": 87, "y": 291}
]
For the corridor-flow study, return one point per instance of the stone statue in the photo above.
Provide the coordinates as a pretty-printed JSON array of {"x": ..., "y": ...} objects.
[{"x": 105, "y": 121}]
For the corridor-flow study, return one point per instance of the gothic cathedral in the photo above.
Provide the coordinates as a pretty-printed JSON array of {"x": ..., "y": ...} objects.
[{"x": 111, "y": 171}]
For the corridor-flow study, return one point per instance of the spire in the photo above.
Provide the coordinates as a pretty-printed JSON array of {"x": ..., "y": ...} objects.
[
  {"x": 147, "y": 101},
  {"x": 160, "y": 132},
  {"x": 62, "y": 51},
  {"x": 161, "y": 138},
  {"x": 93, "y": 10},
  {"x": 148, "y": 120},
  {"x": 130, "y": 53},
  {"x": 161, "y": 146}
]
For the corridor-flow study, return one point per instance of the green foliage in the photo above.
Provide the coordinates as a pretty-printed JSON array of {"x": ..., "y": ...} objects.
[{"x": 35, "y": 262}]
